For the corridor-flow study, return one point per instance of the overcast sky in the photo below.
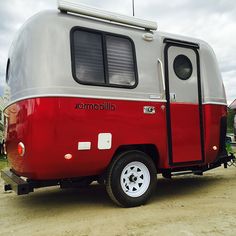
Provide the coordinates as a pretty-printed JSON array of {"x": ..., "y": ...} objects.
[{"x": 213, "y": 21}]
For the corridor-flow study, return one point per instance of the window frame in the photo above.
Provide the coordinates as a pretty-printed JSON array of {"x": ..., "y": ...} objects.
[{"x": 105, "y": 60}]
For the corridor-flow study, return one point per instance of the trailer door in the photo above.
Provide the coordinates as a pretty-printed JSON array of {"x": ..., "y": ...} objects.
[{"x": 184, "y": 103}]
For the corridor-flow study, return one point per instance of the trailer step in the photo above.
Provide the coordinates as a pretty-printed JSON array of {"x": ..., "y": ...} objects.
[
  {"x": 169, "y": 174},
  {"x": 196, "y": 172}
]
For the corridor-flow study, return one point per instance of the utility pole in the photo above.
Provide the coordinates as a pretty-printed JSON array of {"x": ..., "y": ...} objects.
[{"x": 133, "y": 6}]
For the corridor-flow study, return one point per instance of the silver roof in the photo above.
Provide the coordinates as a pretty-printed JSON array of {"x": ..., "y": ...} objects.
[{"x": 40, "y": 61}]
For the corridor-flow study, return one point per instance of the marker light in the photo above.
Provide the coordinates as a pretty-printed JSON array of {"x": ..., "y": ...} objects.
[
  {"x": 21, "y": 149},
  {"x": 214, "y": 148},
  {"x": 68, "y": 156}
]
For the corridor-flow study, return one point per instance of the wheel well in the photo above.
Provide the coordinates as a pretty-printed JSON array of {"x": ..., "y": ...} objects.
[{"x": 149, "y": 149}]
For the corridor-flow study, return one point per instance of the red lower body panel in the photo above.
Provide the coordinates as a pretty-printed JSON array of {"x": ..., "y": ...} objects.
[
  {"x": 186, "y": 133},
  {"x": 50, "y": 128},
  {"x": 212, "y": 118}
]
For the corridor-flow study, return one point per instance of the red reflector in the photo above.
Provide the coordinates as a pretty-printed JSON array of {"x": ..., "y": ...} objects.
[{"x": 21, "y": 149}]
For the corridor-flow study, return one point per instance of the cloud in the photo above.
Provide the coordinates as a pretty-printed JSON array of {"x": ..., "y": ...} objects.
[
  {"x": 13, "y": 13},
  {"x": 212, "y": 21}
]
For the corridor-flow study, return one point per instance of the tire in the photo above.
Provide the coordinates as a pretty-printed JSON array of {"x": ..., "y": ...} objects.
[{"x": 131, "y": 179}]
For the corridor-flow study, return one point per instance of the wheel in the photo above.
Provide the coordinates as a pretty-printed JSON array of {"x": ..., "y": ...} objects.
[{"x": 131, "y": 179}]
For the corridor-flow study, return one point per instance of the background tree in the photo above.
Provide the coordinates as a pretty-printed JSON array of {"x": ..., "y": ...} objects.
[{"x": 230, "y": 120}]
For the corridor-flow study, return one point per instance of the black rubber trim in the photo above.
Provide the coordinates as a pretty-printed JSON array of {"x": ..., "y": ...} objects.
[{"x": 180, "y": 43}]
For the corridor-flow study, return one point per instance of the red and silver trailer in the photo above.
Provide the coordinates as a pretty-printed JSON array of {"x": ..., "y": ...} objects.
[{"x": 101, "y": 96}]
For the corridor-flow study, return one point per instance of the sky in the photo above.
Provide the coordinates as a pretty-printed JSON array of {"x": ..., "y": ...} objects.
[{"x": 213, "y": 21}]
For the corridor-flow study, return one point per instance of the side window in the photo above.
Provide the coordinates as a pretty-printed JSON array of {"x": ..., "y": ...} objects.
[{"x": 99, "y": 58}]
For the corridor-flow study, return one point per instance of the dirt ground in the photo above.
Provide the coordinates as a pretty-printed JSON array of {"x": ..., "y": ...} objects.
[{"x": 186, "y": 206}]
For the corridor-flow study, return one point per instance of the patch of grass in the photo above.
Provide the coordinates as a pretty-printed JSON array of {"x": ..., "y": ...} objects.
[
  {"x": 3, "y": 164},
  {"x": 229, "y": 148}
]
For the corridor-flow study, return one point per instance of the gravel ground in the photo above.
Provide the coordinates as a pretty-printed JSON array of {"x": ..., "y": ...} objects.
[{"x": 187, "y": 205}]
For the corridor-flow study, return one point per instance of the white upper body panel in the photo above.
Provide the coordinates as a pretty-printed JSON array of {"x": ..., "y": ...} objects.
[{"x": 40, "y": 61}]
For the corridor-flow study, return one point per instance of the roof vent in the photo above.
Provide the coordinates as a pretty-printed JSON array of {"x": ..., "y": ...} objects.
[{"x": 73, "y": 7}]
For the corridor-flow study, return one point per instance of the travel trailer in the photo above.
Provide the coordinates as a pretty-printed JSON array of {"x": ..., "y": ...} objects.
[
  {"x": 233, "y": 107},
  {"x": 97, "y": 96}
]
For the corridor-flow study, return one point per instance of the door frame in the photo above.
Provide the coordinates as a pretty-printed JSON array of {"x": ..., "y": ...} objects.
[{"x": 169, "y": 42}]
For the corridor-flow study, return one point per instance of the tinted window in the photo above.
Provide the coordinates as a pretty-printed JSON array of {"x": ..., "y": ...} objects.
[
  {"x": 120, "y": 61},
  {"x": 88, "y": 56},
  {"x": 183, "y": 67},
  {"x": 99, "y": 58}
]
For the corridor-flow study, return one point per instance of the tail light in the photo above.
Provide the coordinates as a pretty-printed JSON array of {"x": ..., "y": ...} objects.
[{"x": 21, "y": 149}]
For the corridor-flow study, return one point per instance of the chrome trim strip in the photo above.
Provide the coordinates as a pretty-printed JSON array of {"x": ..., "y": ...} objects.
[
  {"x": 162, "y": 75},
  {"x": 85, "y": 96},
  {"x": 214, "y": 103}
]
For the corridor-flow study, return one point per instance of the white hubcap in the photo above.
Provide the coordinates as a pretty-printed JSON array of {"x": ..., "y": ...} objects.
[{"x": 135, "y": 179}]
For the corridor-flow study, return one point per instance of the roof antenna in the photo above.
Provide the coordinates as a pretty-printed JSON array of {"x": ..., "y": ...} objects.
[{"x": 133, "y": 6}]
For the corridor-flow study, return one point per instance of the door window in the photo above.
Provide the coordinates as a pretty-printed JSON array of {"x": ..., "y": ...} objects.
[{"x": 183, "y": 67}]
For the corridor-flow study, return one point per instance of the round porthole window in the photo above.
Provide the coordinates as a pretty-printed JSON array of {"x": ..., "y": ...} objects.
[{"x": 183, "y": 67}]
